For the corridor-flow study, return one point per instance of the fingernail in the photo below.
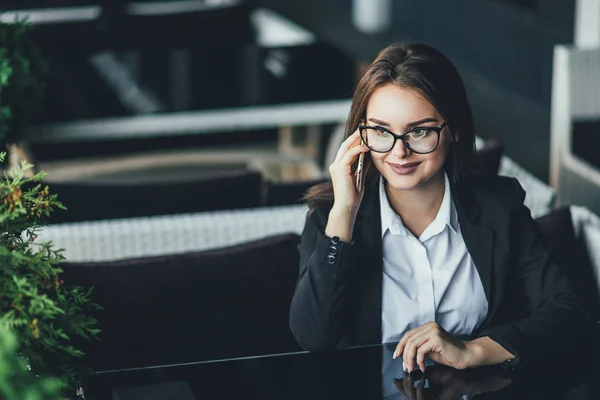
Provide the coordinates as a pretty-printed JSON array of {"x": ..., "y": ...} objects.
[
  {"x": 394, "y": 356},
  {"x": 403, "y": 366},
  {"x": 422, "y": 369}
]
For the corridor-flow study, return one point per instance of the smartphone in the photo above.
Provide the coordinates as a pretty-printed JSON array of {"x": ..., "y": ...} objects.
[
  {"x": 359, "y": 172},
  {"x": 359, "y": 168}
]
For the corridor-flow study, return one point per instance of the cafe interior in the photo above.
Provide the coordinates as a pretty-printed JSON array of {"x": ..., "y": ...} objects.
[{"x": 182, "y": 136}]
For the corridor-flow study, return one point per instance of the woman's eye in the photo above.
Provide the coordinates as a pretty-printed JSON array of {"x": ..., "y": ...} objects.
[{"x": 420, "y": 133}]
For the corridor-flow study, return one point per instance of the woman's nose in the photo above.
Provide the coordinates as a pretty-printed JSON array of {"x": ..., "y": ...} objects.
[{"x": 400, "y": 150}]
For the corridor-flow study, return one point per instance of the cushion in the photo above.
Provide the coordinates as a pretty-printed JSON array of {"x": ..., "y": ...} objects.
[
  {"x": 587, "y": 229},
  {"x": 487, "y": 159},
  {"x": 540, "y": 197},
  {"x": 190, "y": 307},
  {"x": 97, "y": 201},
  {"x": 571, "y": 252}
]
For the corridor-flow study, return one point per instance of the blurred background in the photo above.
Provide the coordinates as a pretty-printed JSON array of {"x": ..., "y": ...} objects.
[{"x": 182, "y": 135}]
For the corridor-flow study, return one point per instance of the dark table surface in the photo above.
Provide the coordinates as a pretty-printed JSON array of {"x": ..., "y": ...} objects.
[{"x": 356, "y": 373}]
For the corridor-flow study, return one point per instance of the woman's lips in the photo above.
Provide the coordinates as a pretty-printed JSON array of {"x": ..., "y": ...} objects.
[{"x": 404, "y": 169}]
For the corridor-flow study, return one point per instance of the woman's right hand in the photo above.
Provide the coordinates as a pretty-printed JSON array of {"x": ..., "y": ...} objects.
[{"x": 346, "y": 199}]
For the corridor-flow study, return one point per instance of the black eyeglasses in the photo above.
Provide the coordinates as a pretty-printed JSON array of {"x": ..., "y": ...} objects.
[{"x": 420, "y": 140}]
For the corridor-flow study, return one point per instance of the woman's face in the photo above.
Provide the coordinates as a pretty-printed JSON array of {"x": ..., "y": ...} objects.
[{"x": 398, "y": 110}]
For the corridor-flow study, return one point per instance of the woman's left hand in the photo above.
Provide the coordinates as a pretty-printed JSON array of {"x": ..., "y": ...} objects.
[{"x": 433, "y": 341}]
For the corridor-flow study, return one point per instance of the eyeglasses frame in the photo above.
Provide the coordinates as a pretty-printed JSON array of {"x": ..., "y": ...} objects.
[{"x": 438, "y": 129}]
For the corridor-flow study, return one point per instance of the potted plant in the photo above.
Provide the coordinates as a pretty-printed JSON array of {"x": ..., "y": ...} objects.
[
  {"x": 16, "y": 382},
  {"x": 34, "y": 302}
]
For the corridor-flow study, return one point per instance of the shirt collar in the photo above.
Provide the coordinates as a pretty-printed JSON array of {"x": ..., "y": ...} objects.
[
  {"x": 447, "y": 214},
  {"x": 389, "y": 219}
]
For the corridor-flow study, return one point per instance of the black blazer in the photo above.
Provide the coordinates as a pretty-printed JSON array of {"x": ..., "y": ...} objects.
[{"x": 533, "y": 310}]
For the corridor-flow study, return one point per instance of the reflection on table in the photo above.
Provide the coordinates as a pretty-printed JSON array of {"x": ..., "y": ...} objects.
[{"x": 366, "y": 372}]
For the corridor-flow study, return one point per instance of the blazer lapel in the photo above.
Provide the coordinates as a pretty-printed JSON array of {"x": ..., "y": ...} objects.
[
  {"x": 479, "y": 240},
  {"x": 368, "y": 294}
]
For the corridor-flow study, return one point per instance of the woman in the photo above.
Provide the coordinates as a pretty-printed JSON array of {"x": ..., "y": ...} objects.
[{"x": 426, "y": 253}]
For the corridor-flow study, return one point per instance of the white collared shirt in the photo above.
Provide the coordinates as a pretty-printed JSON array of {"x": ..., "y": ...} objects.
[{"x": 430, "y": 278}]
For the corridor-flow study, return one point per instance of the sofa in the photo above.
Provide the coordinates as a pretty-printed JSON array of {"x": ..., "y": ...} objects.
[{"x": 195, "y": 306}]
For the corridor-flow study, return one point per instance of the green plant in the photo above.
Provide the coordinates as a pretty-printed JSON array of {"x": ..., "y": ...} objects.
[
  {"x": 34, "y": 302},
  {"x": 16, "y": 382},
  {"x": 22, "y": 72}
]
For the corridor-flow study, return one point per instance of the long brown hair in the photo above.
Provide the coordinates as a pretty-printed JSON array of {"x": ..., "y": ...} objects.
[{"x": 432, "y": 75}]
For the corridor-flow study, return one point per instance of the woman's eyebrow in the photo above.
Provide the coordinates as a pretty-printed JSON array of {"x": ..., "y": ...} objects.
[
  {"x": 421, "y": 121},
  {"x": 379, "y": 122},
  {"x": 409, "y": 125}
]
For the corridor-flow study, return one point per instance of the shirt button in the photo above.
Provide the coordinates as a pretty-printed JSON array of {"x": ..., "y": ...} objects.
[
  {"x": 330, "y": 259},
  {"x": 333, "y": 250}
]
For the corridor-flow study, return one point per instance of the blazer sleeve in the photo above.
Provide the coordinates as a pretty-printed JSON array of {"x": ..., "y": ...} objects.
[
  {"x": 319, "y": 306},
  {"x": 559, "y": 322}
]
